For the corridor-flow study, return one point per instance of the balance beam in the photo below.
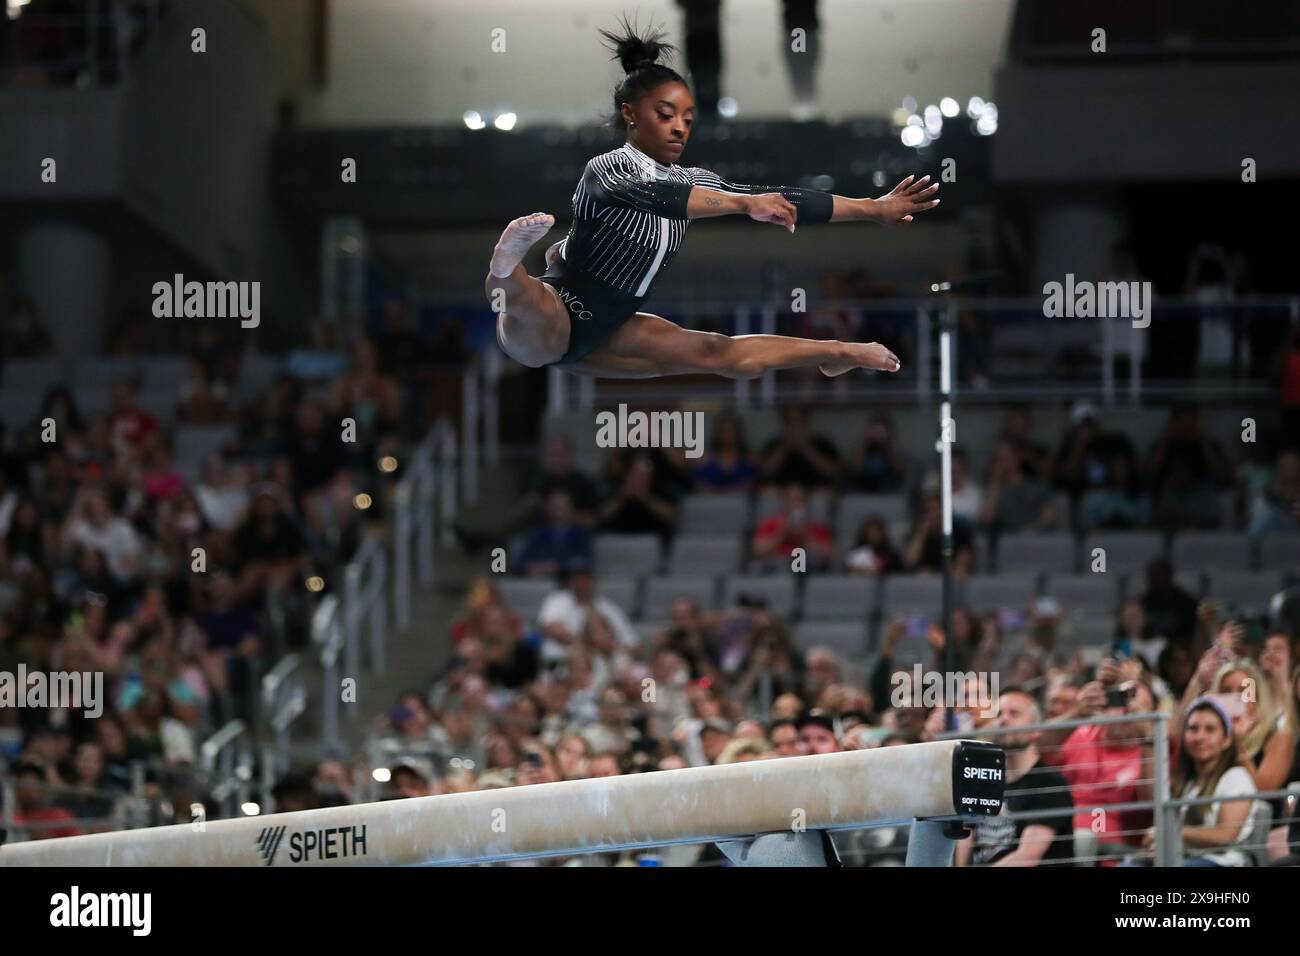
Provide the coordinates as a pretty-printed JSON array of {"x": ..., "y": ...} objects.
[{"x": 942, "y": 780}]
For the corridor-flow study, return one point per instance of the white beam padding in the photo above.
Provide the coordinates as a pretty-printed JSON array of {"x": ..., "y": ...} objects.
[{"x": 943, "y": 779}]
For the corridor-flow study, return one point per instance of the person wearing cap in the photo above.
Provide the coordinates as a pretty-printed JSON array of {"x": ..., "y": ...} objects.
[
  {"x": 1208, "y": 766},
  {"x": 411, "y": 777},
  {"x": 816, "y": 730},
  {"x": 715, "y": 734}
]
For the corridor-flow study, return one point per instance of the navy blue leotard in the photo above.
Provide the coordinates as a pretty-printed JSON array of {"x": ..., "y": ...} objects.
[{"x": 629, "y": 219}]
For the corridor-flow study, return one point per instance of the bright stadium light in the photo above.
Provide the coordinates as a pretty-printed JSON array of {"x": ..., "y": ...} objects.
[
  {"x": 473, "y": 120},
  {"x": 949, "y": 107},
  {"x": 975, "y": 107},
  {"x": 505, "y": 121},
  {"x": 728, "y": 107},
  {"x": 933, "y": 121},
  {"x": 382, "y": 774},
  {"x": 987, "y": 124},
  {"x": 912, "y": 136},
  {"x": 909, "y": 103},
  {"x": 250, "y": 809}
]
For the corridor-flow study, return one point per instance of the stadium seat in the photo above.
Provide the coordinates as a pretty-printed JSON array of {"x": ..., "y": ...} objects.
[
  {"x": 777, "y": 590},
  {"x": 33, "y": 374},
  {"x": 660, "y": 593},
  {"x": 846, "y": 638},
  {"x": 104, "y": 372},
  {"x": 835, "y": 597},
  {"x": 984, "y": 592},
  {"x": 622, "y": 590},
  {"x": 1210, "y": 550},
  {"x": 1055, "y": 552},
  {"x": 694, "y": 554},
  {"x": 524, "y": 595},
  {"x": 1279, "y": 552},
  {"x": 1095, "y": 593},
  {"x": 194, "y": 443},
  {"x": 911, "y": 594},
  {"x": 18, "y": 409},
  {"x": 708, "y": 514},
  {"x": 1125, "y": 550},
  {"x": 855, "y": 508},
  {"x": 1245, "y": 590},
  {"x": 627, "y": 554}
]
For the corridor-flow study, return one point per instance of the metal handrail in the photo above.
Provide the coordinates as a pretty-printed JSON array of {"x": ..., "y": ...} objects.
[
  {"x": 327, "y": 634},
  {"x": 413, "y": 518},
  {"x": 221, "y": 758}
]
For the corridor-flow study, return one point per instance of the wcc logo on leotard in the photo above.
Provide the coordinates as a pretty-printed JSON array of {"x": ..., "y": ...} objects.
[{"x": 574, "y": 304}]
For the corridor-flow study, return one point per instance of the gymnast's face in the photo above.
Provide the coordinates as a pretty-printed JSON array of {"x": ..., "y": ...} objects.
[{"x": 663, "y": 118}]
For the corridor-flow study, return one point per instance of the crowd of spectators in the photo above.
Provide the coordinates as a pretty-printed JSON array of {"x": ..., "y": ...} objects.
[{"x": 180, "y": 583}]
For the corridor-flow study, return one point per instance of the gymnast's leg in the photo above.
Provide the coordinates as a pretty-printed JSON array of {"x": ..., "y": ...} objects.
[
  {"x": 532, "y": 324},
  {"x": 648, "y": 346}
]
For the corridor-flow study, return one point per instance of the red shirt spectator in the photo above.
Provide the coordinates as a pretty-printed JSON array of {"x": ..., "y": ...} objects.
[{"x": 778, "y": 535}]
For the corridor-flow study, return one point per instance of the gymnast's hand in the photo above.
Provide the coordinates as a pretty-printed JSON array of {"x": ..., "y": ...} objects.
[
  {"x": 906, "y": 199},
  {"x": 773, "y": 207}
]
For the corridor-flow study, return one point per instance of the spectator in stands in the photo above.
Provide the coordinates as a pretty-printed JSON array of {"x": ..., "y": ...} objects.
[
  {"x": 877, "y": 466},
  {"x": 639, "y": 505},
  {"x": 129, "y": 424},
  {"x": 1062, "y": 696},
  {"x": 536, "y": 765},
  {"x": 1133, "y": 636},
  {"x": 1286, "y": 375},
  {"x": 1175, "y": 668},
  {"x": 563, "y": 616},
  {"x": 816, "y": 733},
  {"x": 1262, "y": 725},
  {"x": 774, "y": 667},
  {"x": 1088, "y": 455},
  {"x": 202, "y": 400},
  {"x": 1276, "y": 507},
  {"x": 1208, "y": 765},
  {"x": 159, "y": 477},
  {"x": 321, "y": 360},
  {"x": 1107, "y": 764},
  {"x": 1170, "y": 611},
  {"x": 783, "y": 735},
  {"x": 741, "y": 749},
  {"x": 872, "y": 553},
  {"x": 233, "y": 638},
  {"x": 571, "y": 755},
  {"x": 558, "y": 543},
  {"x": 91, "y": 794},
  {"x": 1187, "y": 469},
  {"x": 411, "y": 777},
  {"x": 924, "y": 549},
  {"x": 512, "y": 661},
  {"x": 315, "y": 447},
  {"x": 799, "y": 456},
  {"x": 270, "y": 548},
  {"x": 159, "y": 710},
  {"x": 222, "y": 493},
  {"x": 34, "y": 808},
  {"x": 370, "y": 397},
  {"x": 1012, "y": 500},
  {"x": 777, "y": 536},
  {"x": 613, "y": 731},
  {"x": 1017, "y": 431},
  {"x": 728, "y": 464},
  {"x": 967, "y": 495},
  {"x": 23, "y": 335},
  {"x": 27, "y": 536},
  {"x": 95, "y": 527},
  {"x": 1031, "y": 786}
]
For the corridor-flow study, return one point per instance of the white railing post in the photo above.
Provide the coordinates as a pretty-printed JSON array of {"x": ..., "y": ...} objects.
[
  {"x": 403, "y": 526},
  {"x": 447, "y": 484}
]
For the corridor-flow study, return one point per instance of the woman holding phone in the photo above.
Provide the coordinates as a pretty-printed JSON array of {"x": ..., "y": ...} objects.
[{"x": 1208, "y": 766}]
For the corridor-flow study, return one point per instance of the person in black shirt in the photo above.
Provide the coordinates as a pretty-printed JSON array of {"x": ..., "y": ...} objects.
[
  {"x": 1008, "y": 840},
  {"x": 798, "y": 456}
]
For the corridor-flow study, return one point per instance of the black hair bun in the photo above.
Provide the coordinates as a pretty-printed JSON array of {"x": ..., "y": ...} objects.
[{"x": 633, "y": 51}]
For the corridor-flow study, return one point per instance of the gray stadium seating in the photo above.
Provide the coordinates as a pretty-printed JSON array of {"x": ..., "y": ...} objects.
[
  {"x": 846, "y": 638},
  {"x": 854, "y": 508},
  {"x": 660, "y": 593},
  {"x": 726, "y": 513},
  {"x": 1246, "y": 590},
  {"x": 694, "y": 554},
  {"x": 1096, "y": 594},
  {"x": 911, "y": 594},
  {"x": 1208, "y": 550},
  {"x": 832, "y": 597},
  {"x": 777, "y": 589},
  {"x": 622, "y": 590},
  {"x": 627, "y": 554},
  {"x": 1280, "y": 552},
  {"x": 524, "y": 595},
  {"x": 34, "y": 374},
  {"x": 1051, "y": 551},
  {"x": 1125, "y": 550},
  {"x": 1008, "y": 589}
]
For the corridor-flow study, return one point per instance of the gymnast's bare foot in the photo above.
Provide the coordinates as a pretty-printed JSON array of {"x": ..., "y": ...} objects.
[
  {"x": 516, "y": 240},
  {"x": 870, "y": 355}
]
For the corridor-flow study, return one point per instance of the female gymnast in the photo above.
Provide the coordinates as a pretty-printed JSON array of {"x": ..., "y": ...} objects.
[{"x": 630, "y": 213}]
